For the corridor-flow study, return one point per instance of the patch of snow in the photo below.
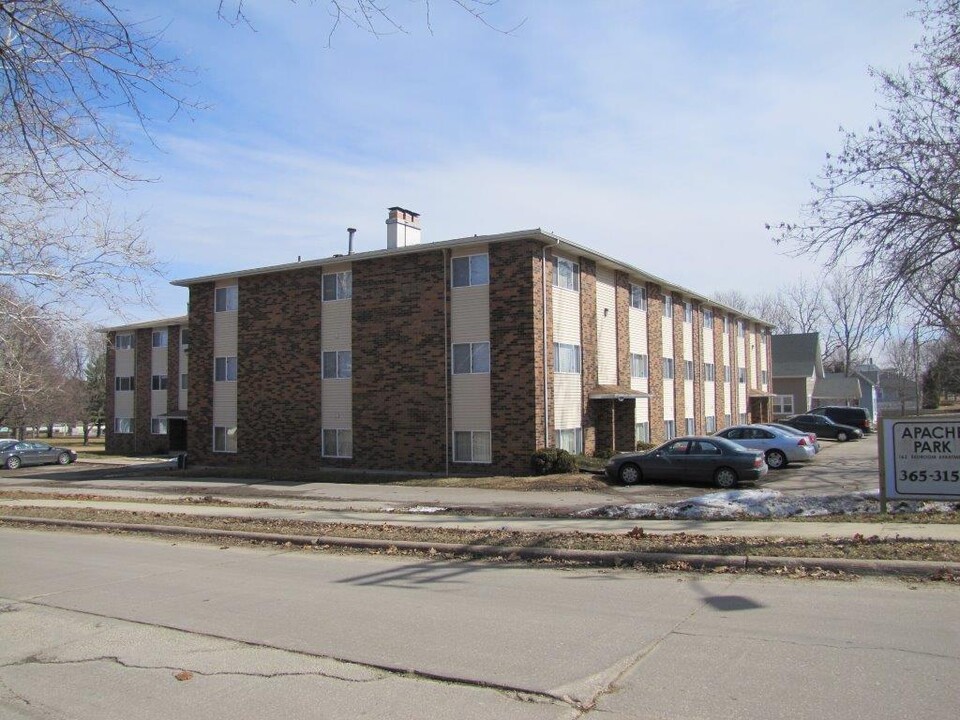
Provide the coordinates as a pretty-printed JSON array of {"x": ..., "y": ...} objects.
[
  {"x": 424, "y": 509},
  {"x": 734, "y": 504}
]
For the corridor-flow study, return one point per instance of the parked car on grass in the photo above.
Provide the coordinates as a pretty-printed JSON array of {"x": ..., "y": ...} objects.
[
  {"x": 779, "y": 447},
  {"x": 824, "y": 427},
  {"x": 799, "y": 433},
  {"x": 854, "y": 416},
  {"x": 690, "y": 459},
  {"x": 14, "y": 453}
]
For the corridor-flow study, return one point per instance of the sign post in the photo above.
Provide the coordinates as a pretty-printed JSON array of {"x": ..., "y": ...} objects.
[{"x": 920, "y": 458}]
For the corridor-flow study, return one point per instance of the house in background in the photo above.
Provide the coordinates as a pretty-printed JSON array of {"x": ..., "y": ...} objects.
[
  {"x": 797, "y": 366},
  {"x": 854, "y": 390},
  {"x": 896, "y": 394}
]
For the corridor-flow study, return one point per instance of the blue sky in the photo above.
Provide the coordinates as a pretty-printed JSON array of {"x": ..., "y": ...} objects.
[{"x": 665, "y": 134}]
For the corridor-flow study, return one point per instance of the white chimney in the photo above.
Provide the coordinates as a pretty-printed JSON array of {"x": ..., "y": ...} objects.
[{"x": 403, "y": 228}]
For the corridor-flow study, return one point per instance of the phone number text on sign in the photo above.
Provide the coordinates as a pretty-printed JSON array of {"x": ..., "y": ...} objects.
[{"x": 923, "y": 458}]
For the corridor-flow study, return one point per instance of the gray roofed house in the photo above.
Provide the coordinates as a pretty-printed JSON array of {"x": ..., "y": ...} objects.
[{"x": 797, "y": 366}]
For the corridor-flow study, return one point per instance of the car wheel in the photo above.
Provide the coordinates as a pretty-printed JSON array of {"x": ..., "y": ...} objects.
[
  {"x": 630, "y": 474},
  {"x": 842, "y": 436},
  {"x": 725, "y": 478},
  {"x": 776, "y": 459},
  {"x": 63, "y": 458},
  {"x": 12, "y": 463}
]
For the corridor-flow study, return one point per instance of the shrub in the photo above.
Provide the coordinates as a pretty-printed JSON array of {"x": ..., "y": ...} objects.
[
  {"x": 548, "y": 461},
  {"x": 644, "y": 446}
]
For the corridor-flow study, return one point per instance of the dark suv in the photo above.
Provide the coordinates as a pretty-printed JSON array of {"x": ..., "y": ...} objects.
[{"x": 854, "y": 416}]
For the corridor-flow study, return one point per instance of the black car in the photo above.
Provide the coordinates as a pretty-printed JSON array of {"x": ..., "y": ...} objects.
[
  {"x": 824, "y": 427},
  {"x": 690, "y": 459},
  {"x": 15, "y": 453},
  {"x": 854, "y": 416}
]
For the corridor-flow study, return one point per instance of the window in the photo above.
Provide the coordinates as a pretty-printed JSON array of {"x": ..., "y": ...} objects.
[
  {"x": 337, "y": 443},
  {"x": 783, "y": 404},
  {"x": 225, "y": 299},
  {"x": 707, "y": 318},
  {"x": 158, "y": 426},
  {"x": 566, "y": 274},
  {"x": 471, "y": 358},
  {"x": 689, "y": 426},
  {"x": 688, "y": 369},
  {"x": 669, "y": 429},
  {"x": 726, "y": 420},
  {"x": 338, "y": 286},
  {"x": 726, "y": 324},
  {"x": 639, "y": 365},
  {"x": 726, "y": 373},
  {"x": 687, "y": 312},
  {"x": 123, "y": 425},
  {"x": 124, "y": 383},
  {"x": 337, "y": 364},
  {"x": 224, "y": 439},
  {"x": 566, "y": 358},
  {"x": 668, "y": 306},
  {"x": 570, "y": 440},
  {"x": 743, "y": 418},
  {"x": 183, "y": 381},
  {"x": 641, "y": 432},
  {"x": 638, "y": 297},
  {"x": 668, "y": 368},
  {"x": 741, "y": 327},
  {"x": 225, "y": 369},
  {"x": 703, "y": 447},
  {"x": 763, "y": 377},
  {"x": 471, "y": 270},
  {"x": 159, "y": 338},
  {"x": 471, "y": 447},
  {"x": 711, "y": 424},
  {"x": 124, "y": 341},
  {"x": 184, "y": 337},
  {"x": 158, "y": 382},
  {"x": 709, "y": 372},
  {"x": 742, "y": 376}
]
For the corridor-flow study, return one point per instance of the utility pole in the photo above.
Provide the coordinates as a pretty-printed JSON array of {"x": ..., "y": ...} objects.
[{"x": 916, "y": 364}]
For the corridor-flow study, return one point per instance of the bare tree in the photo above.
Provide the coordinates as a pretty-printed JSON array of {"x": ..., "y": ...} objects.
[
  {"x": 855, "y": 318},
  {"x": 734, "y": 299},
  {"x": 903, "y": 357},
  {"x": 804, "y": 301},
  {"x": 888, "y": 201}
]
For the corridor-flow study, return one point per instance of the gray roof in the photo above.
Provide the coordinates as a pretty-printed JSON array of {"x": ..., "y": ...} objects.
[
  {"x": 796, "y": 355},
  {"x": 159, "y": 322},
  {"x": 836, "y": 386}
]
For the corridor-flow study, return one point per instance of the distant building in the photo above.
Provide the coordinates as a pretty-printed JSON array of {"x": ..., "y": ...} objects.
[{"x": 797, "y": 366}]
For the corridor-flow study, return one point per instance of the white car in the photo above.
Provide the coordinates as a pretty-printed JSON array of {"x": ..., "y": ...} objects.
[{"x": 779, "y": 447}]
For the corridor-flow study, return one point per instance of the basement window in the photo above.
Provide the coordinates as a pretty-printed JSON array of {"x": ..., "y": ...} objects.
[
  {"x": 224, "y": 439},
  {"x": 158, "y": 426},
  {"x": 337, "y": 443},
  {"x": 471, "y": 447},
  {"x": 123, "y": 425}
]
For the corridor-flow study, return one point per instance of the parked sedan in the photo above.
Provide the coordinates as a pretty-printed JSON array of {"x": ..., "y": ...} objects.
[
  {"x": 824, "y": 427},
  {"x": 799, "y": 433},
  {"x": 13, "y": 454},
  {"x": 779, "y": 447},
  {"x": 690, "y": 459}
]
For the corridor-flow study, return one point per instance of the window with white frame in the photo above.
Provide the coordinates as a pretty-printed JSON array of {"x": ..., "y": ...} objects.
[
  {"x": 224, "y": 439},
  {"x": 184, "y": 337},
  {"x": 123, "y": 425},
  {"x": 158, "y": 426},
  {"x": 337, "y": 443},
  {"x": 688, "y": 370},
  {"x": 566, "y": 358},
  {"x": 225, "y": 299},
  {"x": 743, "y": 418},
  {"x": 726, "y": 420},
  {"x": 726, "y": 324},
  {"x": 471, "y": 358},
  {"x": 337, "y": 364},
  {"x": 783, "y": 405},
  {"x": 763, "y": 377},
  {"x": 711, "y": 424},
  {"x": 741, "y": 327},
  {"x": 338, "y": 286},
  {"x": 158, "y": 382},
  {"x": 742, "y": 376},
  {"x": 668, "y": 368},
  {"x": 183, "y": 381},
  {"x": 566, "y": 274},
  {"x": 641, "y": 432},
  {"x": 159, "y": 338},
  {"x": 570, "y": 439},
  {"x": 707, "y": 318},
  {"x": 472, "y": 446},
  {"x": 669, "y": 429},
  {"x": 124, "y": 383},
  {"x": 668, "y": 306},
  {"x": 689, "y": 426},
  {"x": 470, "y": 270},
  {"x": 124, "y": 341},
  {"x": 687, "y": 311},
  {"x": 709, "y": 372},
  {"x": 639, "y": 365},
  {"x": 727, "y": 377},
  {"x": 638, "y": 297},
  {"x": 225, "y": 369}
]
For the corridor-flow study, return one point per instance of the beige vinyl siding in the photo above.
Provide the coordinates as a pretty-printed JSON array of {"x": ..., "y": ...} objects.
[
  {"x": 762, "y": 339},
  {"x": 336, "y": 333},
  {"x": 471, "y": 402},
  {"x": 125, "y": 367},
  {"x": 687, "y": 341},
  {"x": 567, "y": 389},
  {"x": 728, "y": 386},
  {"x": 184, "y": 368},
  {"x": 741, "y": 363},
  {"x": 225, "y": 345},
  {"x": 709, "y": 398},
  {"x": 688, "y": 399},
  {"x": 707, "y": 345},
  {"x": 566, "y": 401},
  {"x": 470, "y": 314},
  {"x": 642, "y": 411},
  {"x": 123, "y": 404},
  {"x": 606, "y": 327},
  {"x": 126, "y": 363},
  {"x": 471, "y": 407},
  {"x": 158, "y": 366},
  {"x": 710, "y": 388},
  {"x": 638, "y": 345},
  {"x": 666, "y": 336},
  {"x": 566, "y": 316},
  {"x": 669, "y": 404}
]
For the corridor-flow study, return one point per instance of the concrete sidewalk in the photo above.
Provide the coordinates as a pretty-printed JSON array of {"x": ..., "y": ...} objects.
[{"x": 737, "y": 528}]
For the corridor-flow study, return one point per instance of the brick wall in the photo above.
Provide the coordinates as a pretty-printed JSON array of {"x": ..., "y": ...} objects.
[
  {"x": 699, "y": 416},
  {"x": 173, "y": 368},
  {"x": 679, "y": 368},
  {"x": 115, "y": 444},
  {"x": 718, "y": 363},
  {"x": 144, "y": 442},
  {"x": 200, "y": 379},
  {"x": 655, "y": 348},
  {"x": 278, "y": 357},
  {"x": 625, "y": 431},
  {"x": 588, "y": 346},
  {"x": 735, "y": 408}
]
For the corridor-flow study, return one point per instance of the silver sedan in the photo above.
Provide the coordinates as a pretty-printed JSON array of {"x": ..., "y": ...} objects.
[{"x": 779, "y": 447}]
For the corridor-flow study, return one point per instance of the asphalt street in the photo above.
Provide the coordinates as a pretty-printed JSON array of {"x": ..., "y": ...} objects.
[{"x": 97, "y": 626}]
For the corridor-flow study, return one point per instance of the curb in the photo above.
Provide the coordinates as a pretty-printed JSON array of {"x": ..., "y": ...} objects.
[{"x": 911, "y": 568}]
